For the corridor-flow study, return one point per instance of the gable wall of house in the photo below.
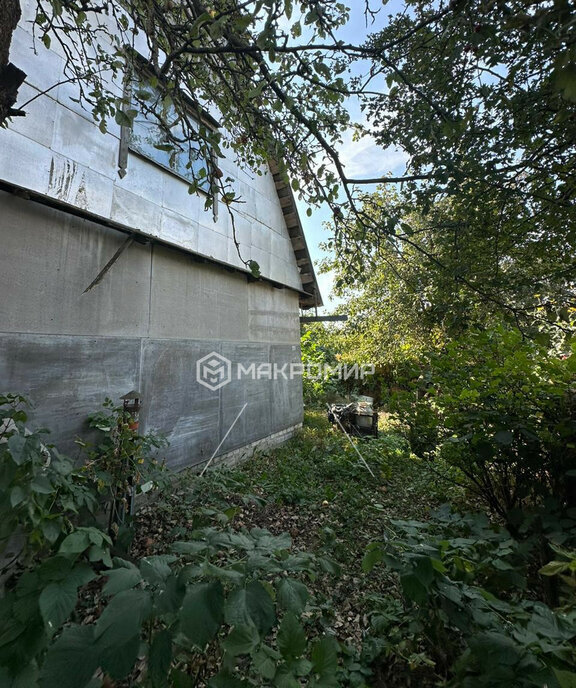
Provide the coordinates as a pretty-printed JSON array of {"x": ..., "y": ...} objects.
[{"x": 160, "y": 308}]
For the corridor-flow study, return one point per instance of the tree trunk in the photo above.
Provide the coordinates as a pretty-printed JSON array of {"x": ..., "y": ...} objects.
[{"x": 10, "y": 76}]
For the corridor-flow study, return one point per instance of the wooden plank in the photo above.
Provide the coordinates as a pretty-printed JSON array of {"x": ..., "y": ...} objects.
[{"x": 323, "y": 318}]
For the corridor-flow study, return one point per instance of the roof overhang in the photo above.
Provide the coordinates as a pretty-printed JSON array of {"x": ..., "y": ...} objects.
[{"x": 310, "y": 296}]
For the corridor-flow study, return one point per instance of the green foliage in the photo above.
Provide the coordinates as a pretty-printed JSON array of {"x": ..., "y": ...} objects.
[
  {"x": 455, "y": 600},
  {"x": 564, "y": 567},
  {"x": 463, "y": 610},
  {"x": 41, "y": 493},
  {"x": 487, "y": 126},
  {"x": 252, "y": 88},
  {"x": 35, "y": 608},
  {"x": 208, "y": 592},
  {"x": 118, "y": 463},
  {"x": 317, "y": 352},
  {"x": 505, "y": 405},
  {"x": 468, "y": 386},
  {"x": 239, "y": 594},
  {"x": 480, "y": 224},
  {"x": 422, "y": 419}
]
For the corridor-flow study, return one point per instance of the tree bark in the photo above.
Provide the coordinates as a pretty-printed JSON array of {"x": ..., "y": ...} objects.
[{"x": 11, "y": 77}]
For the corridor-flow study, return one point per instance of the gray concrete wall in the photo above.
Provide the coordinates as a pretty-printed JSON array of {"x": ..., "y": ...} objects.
[{"x": 144, "y": 326}]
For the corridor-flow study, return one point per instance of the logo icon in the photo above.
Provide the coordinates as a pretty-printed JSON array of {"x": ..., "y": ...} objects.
[{"x": 213, "y": 371}]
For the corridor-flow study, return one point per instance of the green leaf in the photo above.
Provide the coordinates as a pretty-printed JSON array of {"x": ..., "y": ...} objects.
[
  {"x": 121, "y": 579},
  {"x": 160, "y": 658},
  {"x": 17, "y": 495},
  {"x": 423, "y": 570},
  {"x": 156, "y": 569},
  {"x": 225, "y": 680},
  {"x": 241, "y": 640},
  {"x": 58, "y": 599},
  {"x": 51, "y": 529},
  {"x": 202, "y": 612},
  {"x": 97, "y": 553},
  {"x": 373, "y": 556},
  {"x": 225, "y": 575},
  {"x": 324, "y": 656},
  {"x": 254, "y": 269},
  {"x": 41, "y": 485},
  {"x": 413, "y": 588},
  {"x": 495, "y": 648},
  {"x": 143, "y": 94},
  {"x": 292, "y": 595},
  {"x": 57, "y": 602},
  {"x": 302, "y": 666},
  {"x": 75, "y": 543},
  {"x": 16, "y": 445},
  {"x": 170, "y": 601},
  {"x": 122, "y": 619},
  {"x": 72, "y": 660},
  {"x": 566, "y": 679},
  {"x": 193, "y": 547},
  {"x": 553, "y": 568},
  {"x": 119, "y": 660},
  {"x": 291, "y": 637},
  {"x": 123, "y": 118},
  {"x": 25, "y": 678},
  {"x": 284, "y": 678},
  {"x": 329, "y": 565},
  {"x": 251, "y": 605},
  {"x": 264, "y": 664},
  {"x": 565, "y": 81}
]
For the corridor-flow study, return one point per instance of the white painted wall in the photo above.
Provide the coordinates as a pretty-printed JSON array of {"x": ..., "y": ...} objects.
[{"x": 58, "y": 151}]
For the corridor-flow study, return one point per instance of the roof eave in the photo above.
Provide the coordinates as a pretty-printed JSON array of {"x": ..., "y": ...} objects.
[{"x": 310, "y": 296}]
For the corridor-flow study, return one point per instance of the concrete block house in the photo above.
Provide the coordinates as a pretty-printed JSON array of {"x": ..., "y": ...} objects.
[{"x": 177, "y": 302}]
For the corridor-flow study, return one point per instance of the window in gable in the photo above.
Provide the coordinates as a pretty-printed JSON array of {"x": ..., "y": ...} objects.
[{"x": 148, "y": 136}]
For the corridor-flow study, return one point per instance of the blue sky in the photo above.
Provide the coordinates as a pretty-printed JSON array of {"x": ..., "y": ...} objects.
[{"x": 361, "y": 158}]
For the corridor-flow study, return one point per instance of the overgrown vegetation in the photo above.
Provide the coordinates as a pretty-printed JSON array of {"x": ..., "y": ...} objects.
[{"x": 296, "y": 569}]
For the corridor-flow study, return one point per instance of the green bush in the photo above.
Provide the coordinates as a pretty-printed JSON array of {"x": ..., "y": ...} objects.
[
  {"x": 41, "y": 492},
  {"x": 502, "y": 409},
  {"x": 420, "y": 418},
  {"x": 464, "y": 610},
  {"x": 123, "y": 463}
]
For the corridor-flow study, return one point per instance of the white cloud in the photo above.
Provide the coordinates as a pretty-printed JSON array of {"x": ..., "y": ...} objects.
[{"x": 366, "y": 159}]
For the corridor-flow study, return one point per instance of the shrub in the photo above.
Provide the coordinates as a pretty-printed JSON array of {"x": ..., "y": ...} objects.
[
  {"x": 463, "y": 611},
  {"x": 506, "y": 408},
  {"x": 123, "y": 463},
  {"x": 235, "y": 597},
  {"x": 41, "y": 493}
]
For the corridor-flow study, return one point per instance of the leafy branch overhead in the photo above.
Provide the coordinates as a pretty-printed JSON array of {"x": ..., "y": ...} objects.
[{"x": 480, "y": 99}]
